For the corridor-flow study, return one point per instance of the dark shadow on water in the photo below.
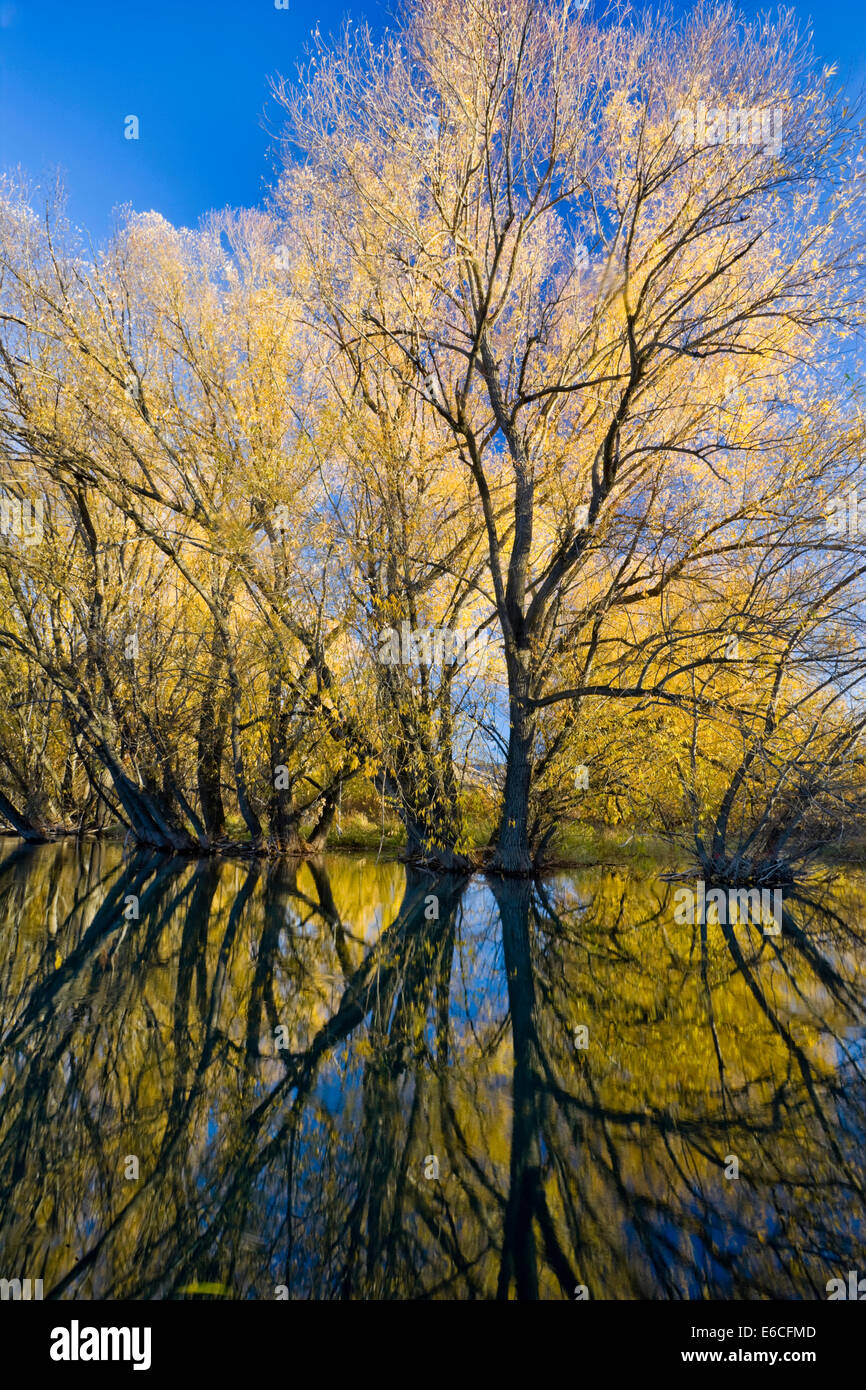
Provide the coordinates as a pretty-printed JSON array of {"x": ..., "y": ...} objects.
[{"x": 343, "y": 1079}]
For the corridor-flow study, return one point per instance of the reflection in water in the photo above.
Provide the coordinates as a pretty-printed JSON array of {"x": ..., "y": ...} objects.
[{"x": 292, "y": 1053}]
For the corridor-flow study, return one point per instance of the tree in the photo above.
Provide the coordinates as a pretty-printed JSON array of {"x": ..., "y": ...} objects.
[{"x": 460, "y": 170}]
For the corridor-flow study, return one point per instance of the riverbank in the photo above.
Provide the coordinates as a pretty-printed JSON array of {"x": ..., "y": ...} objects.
[{"x": 576, "y": 845}]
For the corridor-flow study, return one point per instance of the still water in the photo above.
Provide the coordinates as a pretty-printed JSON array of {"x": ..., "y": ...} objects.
[{"x": 343, "y": 1079}]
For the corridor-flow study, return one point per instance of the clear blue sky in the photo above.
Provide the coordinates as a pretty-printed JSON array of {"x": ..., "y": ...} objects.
[{"x": 195, "y": 72}]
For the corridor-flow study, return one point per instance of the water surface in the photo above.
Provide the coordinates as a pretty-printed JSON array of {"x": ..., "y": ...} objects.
[{"x": 346, "y": 1079}]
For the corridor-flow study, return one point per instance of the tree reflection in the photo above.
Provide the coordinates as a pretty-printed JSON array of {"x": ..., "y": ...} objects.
[{"x": 348, "y": 1080}]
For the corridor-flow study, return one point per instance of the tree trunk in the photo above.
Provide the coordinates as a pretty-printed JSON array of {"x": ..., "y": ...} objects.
[
  {"x": 251, "y": 820},
  {"x": 512, "y": 854},
  {"x": 25, "y": 828},
  {"x": 319, "y": 834},
  {"x": 152, "y": 822},
  {"x": 209, "y": 753}
]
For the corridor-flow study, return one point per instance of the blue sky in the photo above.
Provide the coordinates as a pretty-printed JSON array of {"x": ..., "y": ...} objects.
[{"x": 195, "y": 72}]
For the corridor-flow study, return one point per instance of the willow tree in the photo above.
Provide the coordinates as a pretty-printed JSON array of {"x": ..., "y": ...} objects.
[
  {"x": 411, "y": 578},
  {"x": 617, "y": 258},
  {"x": 142, "y": 393},
  {"x": 166, "y": 394}
]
